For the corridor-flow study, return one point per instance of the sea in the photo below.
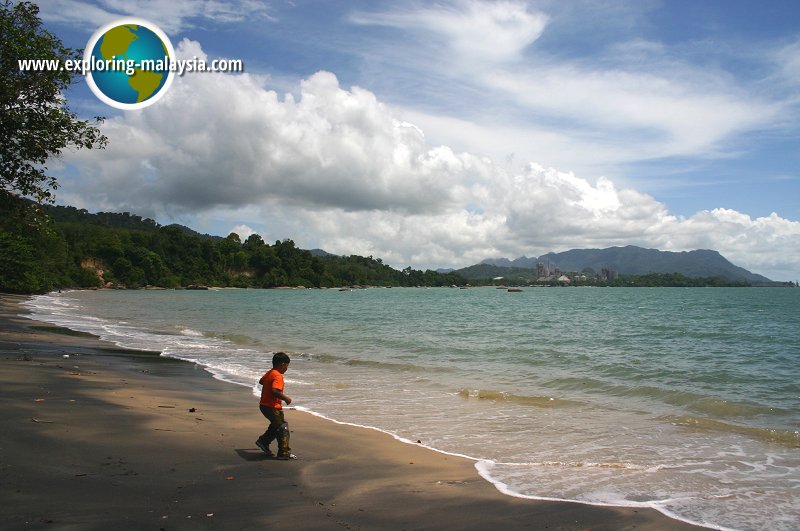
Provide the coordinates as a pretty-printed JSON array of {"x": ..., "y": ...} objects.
[{"x": 686, "y": 400}]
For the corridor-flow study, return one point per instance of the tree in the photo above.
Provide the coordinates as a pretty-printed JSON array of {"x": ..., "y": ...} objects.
[
  {"x": 35, "y": 122},
  {"x": 254, "y": 241},
  {"x": 20, "y": 272}
]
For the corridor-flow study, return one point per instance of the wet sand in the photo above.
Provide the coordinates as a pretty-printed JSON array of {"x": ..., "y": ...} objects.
[{"x": 113, "y": 438}]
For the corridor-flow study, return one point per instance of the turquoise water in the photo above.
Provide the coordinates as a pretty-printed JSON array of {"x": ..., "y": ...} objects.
[{"x": 686, "y": 400}]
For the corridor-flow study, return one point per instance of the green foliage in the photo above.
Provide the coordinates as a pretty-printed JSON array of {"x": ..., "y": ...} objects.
[
  {"x": 75, "y": 249},
  {"x": 675, "y": 280},
  {"x": 35, "y": 122},
  {"x": 29, "y": 249},
  {"x": 19, "y": 270}
]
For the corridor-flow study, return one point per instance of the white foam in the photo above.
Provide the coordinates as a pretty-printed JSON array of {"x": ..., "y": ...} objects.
[{"x": 484, "y": 468}]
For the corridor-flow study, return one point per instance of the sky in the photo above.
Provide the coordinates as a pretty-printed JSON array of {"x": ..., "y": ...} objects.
[{"x": 439, "y": 134}]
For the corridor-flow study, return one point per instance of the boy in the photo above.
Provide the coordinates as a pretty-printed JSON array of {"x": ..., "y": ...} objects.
[{"x": 271, "y": 396}]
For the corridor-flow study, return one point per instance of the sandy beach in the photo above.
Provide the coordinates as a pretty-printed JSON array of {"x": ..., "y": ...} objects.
[{"x": 98, "y": 437}]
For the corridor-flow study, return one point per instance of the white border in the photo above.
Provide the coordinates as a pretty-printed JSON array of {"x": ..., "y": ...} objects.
[{"x": 87, "y": 56}]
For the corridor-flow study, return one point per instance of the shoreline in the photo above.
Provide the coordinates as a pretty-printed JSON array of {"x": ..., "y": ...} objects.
[{"x": 101, "y": 438}]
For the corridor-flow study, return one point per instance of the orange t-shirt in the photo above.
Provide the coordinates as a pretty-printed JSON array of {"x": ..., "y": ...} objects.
[{"x": 272, "y": 379}]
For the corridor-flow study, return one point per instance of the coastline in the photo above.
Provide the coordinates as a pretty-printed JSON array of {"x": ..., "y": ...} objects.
[{"x": 118, "y": 437}]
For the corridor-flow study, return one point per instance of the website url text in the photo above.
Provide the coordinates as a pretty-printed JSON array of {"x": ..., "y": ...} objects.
[{"x": 130, "y": 66}]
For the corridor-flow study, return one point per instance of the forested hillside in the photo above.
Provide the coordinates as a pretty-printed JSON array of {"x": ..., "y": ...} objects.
[{"x": 63, "y": 247}]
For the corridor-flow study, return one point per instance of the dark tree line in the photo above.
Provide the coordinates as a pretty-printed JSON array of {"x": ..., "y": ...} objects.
[
  {"x": 71, "y": 248},
  {"x": 675, "y": 280}
]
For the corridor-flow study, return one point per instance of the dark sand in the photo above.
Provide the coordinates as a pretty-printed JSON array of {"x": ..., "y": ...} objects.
[{"x": 116, "y": 439}]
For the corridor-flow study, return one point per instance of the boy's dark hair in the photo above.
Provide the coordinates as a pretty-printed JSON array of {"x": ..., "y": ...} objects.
[{"x": 280, "y": 357}]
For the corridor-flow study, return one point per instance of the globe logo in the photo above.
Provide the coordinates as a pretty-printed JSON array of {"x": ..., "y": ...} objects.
[{"x": 129, "y": 63}]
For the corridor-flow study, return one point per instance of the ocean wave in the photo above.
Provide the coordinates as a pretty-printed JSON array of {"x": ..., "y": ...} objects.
[
  {"x": 67, "y": 312},
  {"x": 404, "y": 367},
  {"x": 580, "y": 464},
  {"x": 237, "y": 339},
  {"x": 697, "y": 402},
  {"x": 788, "y": 438},
  {"x": 700, "y": 403},
  {"x": 321, "y": 358},
  {"x": 189, "y": 332},
  {"x": 487, "y": 470},
  {"x": 501, "y": 396}
]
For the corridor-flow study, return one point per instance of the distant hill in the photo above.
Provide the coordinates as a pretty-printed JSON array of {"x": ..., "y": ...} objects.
[
  {"x": 191, "y": 232},
  {"x": 522, "y": 262},
  {"x": 629, "y": 260},
  {"x": 120, "y": 220},
  {"x": 320, "y": 253}
]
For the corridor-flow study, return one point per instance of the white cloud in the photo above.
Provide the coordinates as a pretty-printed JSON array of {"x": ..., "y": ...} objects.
[
  {"x": 473, "y": 30},
  {"x": 224, "y": 140},
  {"x": 668, "y": 116},
  {"x": 243, "y": 231},
  {"x": 335, "y": 168},
  {"x": 172, "y": 17},
  {"x": 788, "y": 60},
  {"x": 627, "y": 100},
  {"x": 769, "y": 245}
]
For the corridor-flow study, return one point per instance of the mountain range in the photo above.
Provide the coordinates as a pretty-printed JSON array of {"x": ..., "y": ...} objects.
[{"x": 629, "y": 260}]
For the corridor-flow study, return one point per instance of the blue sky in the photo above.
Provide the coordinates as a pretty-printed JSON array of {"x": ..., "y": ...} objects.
[{"x": 440, "y": 134}]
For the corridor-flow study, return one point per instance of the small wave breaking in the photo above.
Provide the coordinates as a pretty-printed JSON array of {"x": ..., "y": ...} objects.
[
  {"x": 501, "y": 396},
  {"x": 788, "y": 438}
]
